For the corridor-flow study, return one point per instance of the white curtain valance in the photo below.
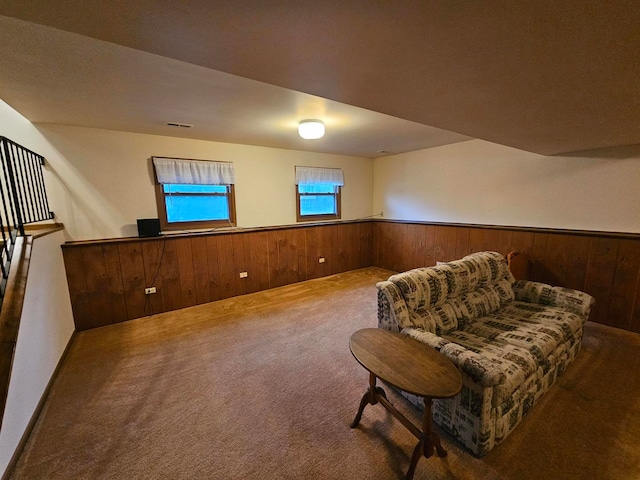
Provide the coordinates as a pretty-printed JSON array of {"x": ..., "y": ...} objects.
[
  {"x": 193, "y": 172},
  {"x": 312, "y": 175}
]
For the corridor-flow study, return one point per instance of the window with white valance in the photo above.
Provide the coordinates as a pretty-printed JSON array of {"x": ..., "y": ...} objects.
[
  {"x": 194, "y": 193},
  {"x": 193, "y": 172},
  {"x": 318, "y": 193},
  {"x": 316, "y": 175}
]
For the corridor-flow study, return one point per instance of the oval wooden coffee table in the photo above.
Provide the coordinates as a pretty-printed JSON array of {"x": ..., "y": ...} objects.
[{"x": 409, "y": 365}]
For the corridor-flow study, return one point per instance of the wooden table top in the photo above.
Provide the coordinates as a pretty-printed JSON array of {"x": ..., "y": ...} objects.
[{"x": 406, "y": 363}]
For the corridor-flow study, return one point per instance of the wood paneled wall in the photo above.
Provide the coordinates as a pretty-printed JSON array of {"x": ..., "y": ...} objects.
[
  {"x": 606, "y": 266},
  {"x": 107, "y": 279}
]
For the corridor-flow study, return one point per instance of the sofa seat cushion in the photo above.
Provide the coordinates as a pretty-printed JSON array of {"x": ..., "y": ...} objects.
[
  {"x": 514, "y": 362},
  {"x": 566, "y": 323},
  {"x": 538, "y": 330},
  {"x": 538, "y": 343},
  {"x": 422, "y": 287}
]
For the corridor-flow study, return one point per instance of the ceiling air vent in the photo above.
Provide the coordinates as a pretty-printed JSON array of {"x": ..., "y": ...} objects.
[{"x": 180, "y": 125}]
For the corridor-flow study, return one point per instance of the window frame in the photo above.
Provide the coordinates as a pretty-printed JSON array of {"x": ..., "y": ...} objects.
[
  {"x": 166, "y": 225},
  {"x": 319, "y": 217}
]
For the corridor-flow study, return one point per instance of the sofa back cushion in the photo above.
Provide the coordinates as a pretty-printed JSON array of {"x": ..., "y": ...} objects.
[
  {"x": 492, "y": 265},
  {"x": 462, "y": 277},
  {"x": 480, "y": 302},
  {"x": 422, "y": 287},
  {"x": 479, "y": 284},
  {"x": 439, "y": 320},
  {"x": 475, "y": 271},
  {"x": 443, "y": 298}
]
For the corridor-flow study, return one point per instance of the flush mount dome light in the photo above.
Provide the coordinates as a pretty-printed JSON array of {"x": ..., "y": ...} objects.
[{"x": 311, "y": 129}]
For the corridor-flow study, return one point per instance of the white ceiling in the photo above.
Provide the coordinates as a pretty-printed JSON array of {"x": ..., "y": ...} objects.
[
  {"x": 548, "y": 77},
  {"x": 52, "y": 76}
]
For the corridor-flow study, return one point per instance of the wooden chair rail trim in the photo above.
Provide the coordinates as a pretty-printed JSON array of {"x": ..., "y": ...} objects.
[
  {"x": 235, "y": 230},
  {"x": 562, "y": 231}
]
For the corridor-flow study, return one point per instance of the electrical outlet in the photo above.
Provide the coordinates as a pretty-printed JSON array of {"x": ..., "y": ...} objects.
[
  {"x": 321, "y": 260},
  {"x": 149, "y": 290},
  {"x": 244, "y": 274}
]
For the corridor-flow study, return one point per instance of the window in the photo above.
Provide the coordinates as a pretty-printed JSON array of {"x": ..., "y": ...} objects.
[
  {"x": 194, "y": 193},
  {"x": 318, "y": 193}
]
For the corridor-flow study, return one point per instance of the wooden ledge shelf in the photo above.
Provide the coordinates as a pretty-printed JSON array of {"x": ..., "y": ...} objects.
[{"x": 214, "y": 231}]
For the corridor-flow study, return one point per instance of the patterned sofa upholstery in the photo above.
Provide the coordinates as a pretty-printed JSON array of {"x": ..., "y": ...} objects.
[{"x": 509, "y": 339}]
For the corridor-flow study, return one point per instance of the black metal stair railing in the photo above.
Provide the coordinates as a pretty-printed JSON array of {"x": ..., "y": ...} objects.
[{"x": 23, "y": 198}]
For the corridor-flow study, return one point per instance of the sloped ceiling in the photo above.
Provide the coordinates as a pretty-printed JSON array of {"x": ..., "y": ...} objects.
[{"x": 548, "y": 77}]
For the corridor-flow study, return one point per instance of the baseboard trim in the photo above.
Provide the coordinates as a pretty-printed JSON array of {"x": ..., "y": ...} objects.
[{"x": 36, "y": 413}]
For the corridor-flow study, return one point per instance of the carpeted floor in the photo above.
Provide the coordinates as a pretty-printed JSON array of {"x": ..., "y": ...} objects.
[{"x": 264, "y": 387}]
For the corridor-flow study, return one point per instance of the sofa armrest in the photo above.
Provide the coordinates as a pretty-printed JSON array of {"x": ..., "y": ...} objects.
[
  {"x": 572, "y": 300},
  {"x": 425, "y": 337},
  {"x": 480, "y": 369},
  {"x": 393, "y": 313},
  {"x": 477, "y": 367}
]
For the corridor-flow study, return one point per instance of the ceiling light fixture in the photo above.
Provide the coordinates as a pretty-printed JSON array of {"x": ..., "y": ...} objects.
[{"x": 311, "y": 129}]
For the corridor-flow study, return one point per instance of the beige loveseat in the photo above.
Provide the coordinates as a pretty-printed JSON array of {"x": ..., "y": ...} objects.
[{"x": 509, "y": 339}]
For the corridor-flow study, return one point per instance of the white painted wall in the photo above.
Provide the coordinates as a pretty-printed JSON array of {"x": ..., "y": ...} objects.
[
  {"x": 100, "y": 181},
  {"x": 46, "y": 327},
  {"x": 104, "y": 179},
  {"x": 485, "y": 183}
]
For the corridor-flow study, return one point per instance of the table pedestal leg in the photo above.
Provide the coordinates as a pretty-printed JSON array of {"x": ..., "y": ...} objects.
[
  {"x": 428, "y": 440},
  {"x": 369, "y": 398}
]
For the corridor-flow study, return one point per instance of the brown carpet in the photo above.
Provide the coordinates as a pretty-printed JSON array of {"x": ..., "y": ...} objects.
[{"x": 264, "y": 387}]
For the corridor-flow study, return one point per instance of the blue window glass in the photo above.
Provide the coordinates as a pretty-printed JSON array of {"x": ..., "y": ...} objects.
[
  {"x": 176, "y": 188},
  {"x": 194, "y": 203},
  {"x": 318, "y": 199}
]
